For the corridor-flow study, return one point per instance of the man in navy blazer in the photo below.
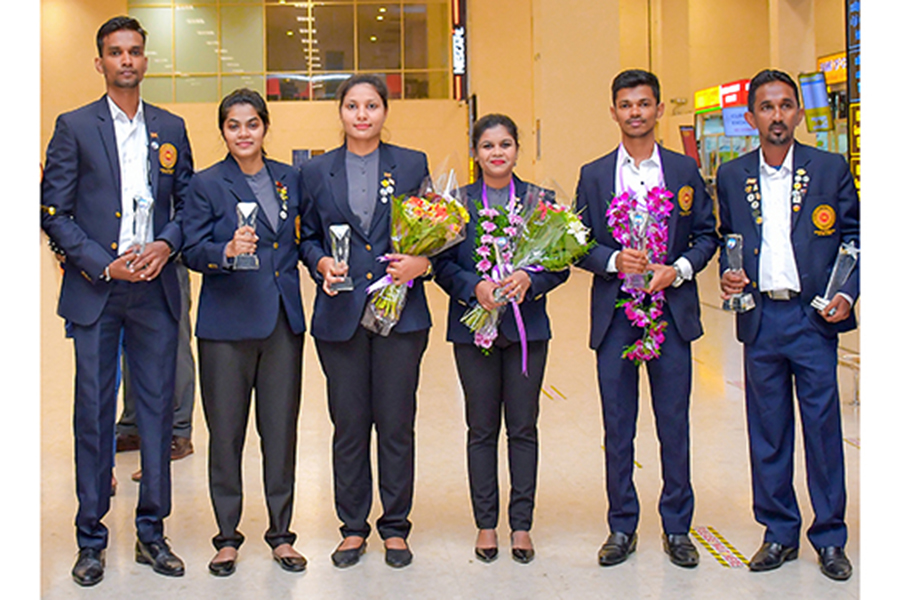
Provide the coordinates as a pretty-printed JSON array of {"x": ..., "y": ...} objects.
[
  {"x": 794, "y": 206},
  {"x": 640, "y": 164},
  {"x": 101, "y": 158}
]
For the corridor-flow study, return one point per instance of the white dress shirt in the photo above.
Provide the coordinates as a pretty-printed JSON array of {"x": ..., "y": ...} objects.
[
  {"x": 777, "y": 266},
  {"x": 640, "y": 179},
  {"x": 131, "y": 145}
]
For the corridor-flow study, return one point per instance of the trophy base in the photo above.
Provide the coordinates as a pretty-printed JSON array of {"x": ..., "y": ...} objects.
[
  {"x": 343, "y": 286},
  {"x": 246, "y": 262},
  {"x": 819, "y": 303},
  {"x": 739, "y": 303}
]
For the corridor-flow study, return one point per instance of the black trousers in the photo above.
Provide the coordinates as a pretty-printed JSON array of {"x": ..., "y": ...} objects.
[
  {"x": 372, "y": 380},
  {"x": 229, "y": 371},
  {"x": 492, "y": 384}
]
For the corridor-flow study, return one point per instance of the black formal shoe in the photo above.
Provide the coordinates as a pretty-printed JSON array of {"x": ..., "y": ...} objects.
[
  {"x": 616, "y": 548},
  {"x": 771, "y": 555},
  {"x": 223, "y": 568},
  {"x": 158, "y": 555},
  {"x": 398, "y": 558},
  {"x": 349, "y": 557},
  {"x": 834, "y": 563},
  {"x": 486, "y": 555},
  {"x": 294, "y": 564},
  {"x": 88, "y": 569},
  {"x": 128, "y": 443},
  {"x": 681, "y": 550},
  {"x": 523, "y": 555}
]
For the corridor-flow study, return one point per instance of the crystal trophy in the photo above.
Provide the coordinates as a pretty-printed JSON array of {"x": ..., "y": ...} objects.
[
  {"x": 143, "y": 222},
  {"x": 340, "y": 250},
  {"x": 501, "y": 244},
  {"x": 734, "y": 253},
  {"x": 639, "y": 221},
  {"x": 246, "y": 217},
  {"x": 844, "y": 264}
]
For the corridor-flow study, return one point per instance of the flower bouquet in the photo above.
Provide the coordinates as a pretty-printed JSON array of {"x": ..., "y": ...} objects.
[
  {"x": 421, "y": 225},
  {"x": 643, "y": 309},
  {"x": 535, "y": 234}
]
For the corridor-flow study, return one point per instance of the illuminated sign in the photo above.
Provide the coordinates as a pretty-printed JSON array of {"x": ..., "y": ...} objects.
[
  {"x": 734, "y": 93},
  {"x": 458, "y": 45},
  {"x": 459, "y": 50},
  {"x": 706, "y": 100},
  {"x": 815, "y": 102},
  {"x": 834, "y": 66}
]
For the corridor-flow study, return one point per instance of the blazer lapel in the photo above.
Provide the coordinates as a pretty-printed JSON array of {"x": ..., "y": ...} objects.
[
  {"x": 750, "y": 187},
  {"x": 671, "y": 182},
  {"x": 240, "y": 191},
  {"x": 151, "y": 122},
  {"x": 800, "y": 177},
  {"x": 279, "y": 176},
  {"x": 339, "y": 190},
  {"x": 387, "y": 167},
  {"x": 108, "y": 137}
]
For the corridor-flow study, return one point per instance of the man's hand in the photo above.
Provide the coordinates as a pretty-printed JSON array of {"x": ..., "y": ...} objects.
[
  {"x": 663, "y": 276},
  {"x": 629, "y": 260},
  {"x": 150, "y": 262},
  {"x": 333, "y": 272},
  {"x": 733, "y": 282},
  {"x": 837, "y": 310}
]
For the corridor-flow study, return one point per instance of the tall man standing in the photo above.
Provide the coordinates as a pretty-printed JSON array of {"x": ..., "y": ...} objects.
[
  {"x": 794, "y": 205},
  {"x": 101, "y": 159},
  {"x": 642, "y": 168}
]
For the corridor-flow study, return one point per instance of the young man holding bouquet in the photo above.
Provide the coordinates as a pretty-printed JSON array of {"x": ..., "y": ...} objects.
[{"x": 651, "y": 320}]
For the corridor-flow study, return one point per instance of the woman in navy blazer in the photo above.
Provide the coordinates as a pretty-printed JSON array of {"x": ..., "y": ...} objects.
[
  {"x": 249, "y": 324},
  {"x": 493, "y": 383},
  {"x": 372, "y": 379}
]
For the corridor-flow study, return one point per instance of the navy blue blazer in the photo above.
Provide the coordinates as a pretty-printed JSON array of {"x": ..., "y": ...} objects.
[
  {"x": 454, "y": 271},
  {"x": 828, "y": 216},
  {"x": 692, "y": 234},
  {"x": 81, "y": 201},
  {"x": 242, "y": 305},
  {"x": 325, "y": 202}
]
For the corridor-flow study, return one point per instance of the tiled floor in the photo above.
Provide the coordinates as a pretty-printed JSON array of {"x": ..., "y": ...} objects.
[{"x": 570, "y": 515}]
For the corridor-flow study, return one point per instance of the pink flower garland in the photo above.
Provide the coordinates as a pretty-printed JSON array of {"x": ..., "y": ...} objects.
[{"x": 640, "y": 311}]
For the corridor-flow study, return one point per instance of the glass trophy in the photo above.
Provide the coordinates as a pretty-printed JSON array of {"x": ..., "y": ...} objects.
[
  {"x": 246, "y": 217},
  {"x": 340, "y": 251},
  {"x": 734, "y": 254},
  {"x": 143, "y": 222},
  {"x": 639, "y": 221},
  {"x": 844, "y": 264}
]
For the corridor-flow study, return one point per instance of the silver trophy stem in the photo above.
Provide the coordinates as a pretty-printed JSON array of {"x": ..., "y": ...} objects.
[
  {"x": 639, "y": 221},
  {"x": 848, "y": 255},
  {"x": 143, "y": 221},
  {"x": 246, "y": 217},
  {"x": 734, "y": 253},
  {"x": 340, "y": 251}
]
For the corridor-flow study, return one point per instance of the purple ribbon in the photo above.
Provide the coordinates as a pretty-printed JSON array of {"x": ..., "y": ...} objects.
[{"x": 520, "y": 323}]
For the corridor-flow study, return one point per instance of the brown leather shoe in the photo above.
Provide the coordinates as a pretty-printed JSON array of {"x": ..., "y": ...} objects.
[
  {"x": 181, "y": 447},
  {"x": 136, "y": 476},
  {"x": 128, "y": 443}
]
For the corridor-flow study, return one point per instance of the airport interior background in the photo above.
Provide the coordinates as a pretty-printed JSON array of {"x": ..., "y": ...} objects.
[{"x": 548, "y": 64}]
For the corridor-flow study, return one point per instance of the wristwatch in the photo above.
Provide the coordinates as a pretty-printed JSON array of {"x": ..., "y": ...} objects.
[{"x": 679, "y": 275}]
